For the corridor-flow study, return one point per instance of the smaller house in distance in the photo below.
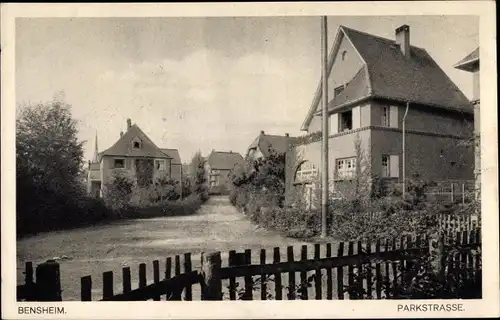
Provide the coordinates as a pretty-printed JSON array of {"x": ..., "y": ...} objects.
[
  {"x": 136, "y": 156},
  {"x": 264, "y": 144},
  {"x": 218, "y": 166}
]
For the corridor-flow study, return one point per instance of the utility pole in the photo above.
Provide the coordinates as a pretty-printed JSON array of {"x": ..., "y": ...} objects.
[
  {"x": 324, "y": 100},
  {"x": 182, "y": 187},
  {"x": 404, "y": 147}
]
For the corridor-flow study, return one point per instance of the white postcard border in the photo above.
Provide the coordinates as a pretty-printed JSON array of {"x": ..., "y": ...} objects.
[{"x": 488, "y": 306}]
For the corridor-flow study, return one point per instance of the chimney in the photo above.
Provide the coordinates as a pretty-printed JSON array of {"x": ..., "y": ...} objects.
[
  {"x": 287, "y": 134},
  {"x": 129, "y": 124},
  {"x": 403, "y": 39},
  {"x": 262, "y": 132},
  {"x": 121, "y": 134}
]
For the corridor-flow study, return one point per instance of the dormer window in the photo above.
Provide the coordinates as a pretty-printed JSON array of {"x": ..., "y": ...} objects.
[
  {"x": 338, "y": 90},
  {"x": 136, "y": 143}
]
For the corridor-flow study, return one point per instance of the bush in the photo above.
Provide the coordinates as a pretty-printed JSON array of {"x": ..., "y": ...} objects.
[
  {"x": 167, "y": 208},
  {"x": 118, "y": 191}
]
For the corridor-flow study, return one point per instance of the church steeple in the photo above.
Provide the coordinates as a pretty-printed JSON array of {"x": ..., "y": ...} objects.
[{"x": 96, "y": 152}]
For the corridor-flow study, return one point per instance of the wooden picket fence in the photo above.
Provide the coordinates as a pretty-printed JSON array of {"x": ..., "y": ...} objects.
[
  {"x": 324, "y": 276},
  {"x": 458, "y": 223}
]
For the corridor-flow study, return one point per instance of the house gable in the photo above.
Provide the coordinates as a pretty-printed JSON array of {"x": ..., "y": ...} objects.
[
  {"x": 386, "y": 73},
  {"x": 219, "y": 160},
  {"x": 135, "y": 143},
  {"x": 344, "y": 62}
]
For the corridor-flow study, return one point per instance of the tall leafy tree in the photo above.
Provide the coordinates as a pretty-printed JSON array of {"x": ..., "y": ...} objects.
[
  {"x": 49, "y": 163},
  {"x": 198, "y": 175},
  {"x": 47, "y": 147}
]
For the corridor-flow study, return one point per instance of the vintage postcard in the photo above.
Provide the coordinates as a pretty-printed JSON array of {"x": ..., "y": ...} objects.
[{"x": 249, "y": 160}]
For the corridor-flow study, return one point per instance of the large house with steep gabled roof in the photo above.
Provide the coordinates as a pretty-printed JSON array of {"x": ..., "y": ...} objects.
[
  {"x": 135, "y": 156},
  {"x": 373, "y": 83}
]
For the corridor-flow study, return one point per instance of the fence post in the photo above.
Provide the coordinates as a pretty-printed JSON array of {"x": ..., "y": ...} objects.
[
  {"x": 48, "y": 281},
  {"x": 436, "y": 252},
  {"x": 463, "y": 193},
  {"x": 452, "y": 193},
  {"x": 210, "y": 272}
]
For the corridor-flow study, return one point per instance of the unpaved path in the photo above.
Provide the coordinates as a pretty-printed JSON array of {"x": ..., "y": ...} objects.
[{"x": 217, "y": 226}]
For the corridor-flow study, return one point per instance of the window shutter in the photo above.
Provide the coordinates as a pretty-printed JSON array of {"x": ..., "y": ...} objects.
[
  {"x": 394, "y": 166},
  {"x": 334, "y": 123},
  {"x": 356, "y": 117},
  {"x": 393, "y": 117}
]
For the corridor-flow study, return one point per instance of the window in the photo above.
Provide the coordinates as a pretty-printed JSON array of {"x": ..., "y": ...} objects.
[
  {"x": 305, "y": 172},
  {"x": 136, "y": 143},
  {"x": 385, "y": 117},
  {"x": 390, "y": 166},
  {"x": 386, "y": 169},
  {"x": 338, "y": 90},
  {"x": 346, "y": 168},
  {"x": 214, "y": 181},
  {"x": 119, "y": 163},
  {"x": 160, "y": 165},
  {"x": 346, "y": 121}
]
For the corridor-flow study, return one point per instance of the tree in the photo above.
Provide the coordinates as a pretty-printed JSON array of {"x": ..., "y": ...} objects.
[
  {"x": 197, "y": 173},
  {"x": 262, "y": 178},
  {"x": 49, "y": 163},
  {"x": 47, "y": 147}
]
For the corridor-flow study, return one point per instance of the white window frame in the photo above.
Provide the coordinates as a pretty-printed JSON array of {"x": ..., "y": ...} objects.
[
  {"x": 345, "y": 168},
  {"x": 160, "y": 162},
  {"x": 393, "y": 116},
  {"x": 305, "y": 172}
]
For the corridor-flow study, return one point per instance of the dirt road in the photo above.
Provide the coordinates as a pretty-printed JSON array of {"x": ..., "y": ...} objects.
[{"x": 217, "y": 226}]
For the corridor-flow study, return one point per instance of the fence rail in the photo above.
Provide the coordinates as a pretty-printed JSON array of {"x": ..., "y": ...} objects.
[{"x": 357, "y": 271}]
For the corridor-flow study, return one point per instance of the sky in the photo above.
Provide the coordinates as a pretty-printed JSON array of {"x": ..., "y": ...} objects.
[{"x": 202, "y": 83}]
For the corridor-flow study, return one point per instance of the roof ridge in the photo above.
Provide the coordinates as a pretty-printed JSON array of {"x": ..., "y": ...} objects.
[{"x": 378, "y": 37}]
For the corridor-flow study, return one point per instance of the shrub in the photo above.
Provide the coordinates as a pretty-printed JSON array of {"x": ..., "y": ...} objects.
[{"x": 118, "y": 191}]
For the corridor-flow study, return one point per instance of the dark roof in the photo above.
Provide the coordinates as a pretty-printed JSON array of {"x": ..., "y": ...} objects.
[
  {"x": 224, "y": 160},
  {"x": 468, "y": 62},
  {"x": 123, "y": 147},
  {"x": 471, "y": 56},
  {"x": 267, "y": 142},
  {"x": 418, "y": 79},
  {"x": 174, "y": 154},
  {"x": 388, "y": 74}
]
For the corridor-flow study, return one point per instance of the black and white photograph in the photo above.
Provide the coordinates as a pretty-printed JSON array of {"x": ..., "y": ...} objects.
[{"x": 248, "y": 158}]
